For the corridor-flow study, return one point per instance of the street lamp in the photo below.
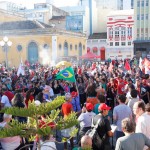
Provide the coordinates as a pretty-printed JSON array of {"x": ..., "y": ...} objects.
[{"x": 5, "y": 44}]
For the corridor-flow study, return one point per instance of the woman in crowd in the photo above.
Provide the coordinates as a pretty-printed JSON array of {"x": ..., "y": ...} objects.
[{"x": 29, "y": 96}]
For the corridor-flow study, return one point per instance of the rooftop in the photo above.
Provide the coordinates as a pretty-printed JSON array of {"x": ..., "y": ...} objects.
[
  {"x": 27, "y": 24},
  {"x": 98, "y": 36},
  {"x": 121, "y": 12}
]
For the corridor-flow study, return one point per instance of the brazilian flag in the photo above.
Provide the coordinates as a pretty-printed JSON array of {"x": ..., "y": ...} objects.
[{"x": 66, "y": 74}]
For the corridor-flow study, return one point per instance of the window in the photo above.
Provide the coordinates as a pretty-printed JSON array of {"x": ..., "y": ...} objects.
[
  {"x": 138, "y": 17},
  {"x": 129, "y": 43},
  {"x": 19, "y": 48},
  {"x": 111, "y": 43},
  {"x": 146, "y": 2},
  {"x": 138, "y": 3},
  {"x": 142, "y": 3},
  {"x": 59, "y": 46},
  {"x": 110, "y": 32},
  {"x": 117, "y": 32},
  {"x": 142, "y": 17},
  {"x": 123, "y": 43},
  {"x": 123, "y": 31},
  {"x": 130, "y": 31},
  {"x": 146, "y": 16},
  {"x": 75, "y": 47},
  {"x": 116, "y": 43},
  {"x": 70, "y": 46},
  {"x": 83, "y": 47}
]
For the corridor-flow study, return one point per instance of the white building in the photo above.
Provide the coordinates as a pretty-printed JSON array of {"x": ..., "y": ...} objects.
[
  {"x": 97, "y": 44},
  {"x": 120, "y": 31}
]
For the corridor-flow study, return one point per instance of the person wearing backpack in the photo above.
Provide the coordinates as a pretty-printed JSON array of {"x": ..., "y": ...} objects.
[{"x": 103, "y": 128}]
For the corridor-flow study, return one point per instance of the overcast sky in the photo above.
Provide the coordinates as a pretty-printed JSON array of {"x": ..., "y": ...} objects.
[{"x": 58, "y": 3}]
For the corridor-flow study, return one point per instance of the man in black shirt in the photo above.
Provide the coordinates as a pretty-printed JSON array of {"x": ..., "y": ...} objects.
[{"x": 104, "y": 128}]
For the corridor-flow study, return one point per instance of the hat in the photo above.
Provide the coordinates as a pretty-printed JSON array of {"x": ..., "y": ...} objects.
[
  {"x": 89, "y": 106},
  {"x": 67, "y": 96},
  {"x": 74, "y": 94},
  {"x": 103, "y": 107}
]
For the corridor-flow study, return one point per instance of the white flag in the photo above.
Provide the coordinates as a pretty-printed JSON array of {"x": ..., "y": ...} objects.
[
  {"x": 20, "y": 70},
  {"x": 140, "y": 63}
]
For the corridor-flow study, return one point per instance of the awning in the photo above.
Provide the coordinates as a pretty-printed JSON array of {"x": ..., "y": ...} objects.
[
  {"x": 95, "y": 49},
  {"x": 102, "y": 48},
  {"x": 88, "y": 49}
]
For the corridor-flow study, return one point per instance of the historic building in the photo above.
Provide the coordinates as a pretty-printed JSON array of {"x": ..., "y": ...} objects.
[
  {"x": 38, "y": 42},
  {"x": 120, "y": 34},
  {"x": 142, "y": 28}
]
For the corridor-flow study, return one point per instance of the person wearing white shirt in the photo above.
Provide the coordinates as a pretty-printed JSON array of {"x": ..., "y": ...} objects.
[
  {"x": 4, "y": 100},
  {"x": 143, "y": 119}
]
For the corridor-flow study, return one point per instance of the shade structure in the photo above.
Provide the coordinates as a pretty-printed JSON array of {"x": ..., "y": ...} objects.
[
  {"x": 63, "y": 63},
  {"x": 89, "y": 55}
]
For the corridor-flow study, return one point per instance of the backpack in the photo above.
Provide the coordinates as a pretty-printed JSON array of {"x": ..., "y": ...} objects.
[{"x": 97, "y": 141}]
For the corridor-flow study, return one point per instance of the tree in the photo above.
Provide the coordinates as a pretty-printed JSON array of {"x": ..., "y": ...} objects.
[{"x": 36, "y": 128}]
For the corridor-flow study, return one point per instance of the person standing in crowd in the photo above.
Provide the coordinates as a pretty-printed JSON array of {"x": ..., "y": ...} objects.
[
  {"x": 143, "y": 119},
  {"x": 102, "y": 100},
  {"x": 4, "y": 99},
  {"x": 18, "y": 101},
  {"x": 131, "y": 140},
  {"x": 119, "y": 113},
  {"x": 76, "y": 102},
  {"x": 85, "y": 119},
  {"x": 66, "y": 109},
  {"x": 91, "y": 93},
  {"x": 29, "y": 96},
  {"x": 133, "y": 99},
  {"x": 81, "y": 89},
  {"x": 37, "y": 89},
  {"x": 144, "y": 92},
  {"x": 104, "y": 129}
]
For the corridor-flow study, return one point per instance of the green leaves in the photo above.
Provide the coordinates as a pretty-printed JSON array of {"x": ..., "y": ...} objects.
[{"x": 34, "y": 127}]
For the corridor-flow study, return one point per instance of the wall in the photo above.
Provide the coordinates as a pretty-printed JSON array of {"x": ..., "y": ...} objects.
[{"x": 14, "y": 55}]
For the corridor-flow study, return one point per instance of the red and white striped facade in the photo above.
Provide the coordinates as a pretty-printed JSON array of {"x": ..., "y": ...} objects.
[{"x": 120, "y": 34}]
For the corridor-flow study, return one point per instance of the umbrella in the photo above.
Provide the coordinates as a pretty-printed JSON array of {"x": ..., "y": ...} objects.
[
  {"x": 63, "y": 63},
  {"x": 89, "y": 55}
]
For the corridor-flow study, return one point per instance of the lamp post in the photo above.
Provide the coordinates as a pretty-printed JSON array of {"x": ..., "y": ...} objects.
[{"x": 5, "y": 44}]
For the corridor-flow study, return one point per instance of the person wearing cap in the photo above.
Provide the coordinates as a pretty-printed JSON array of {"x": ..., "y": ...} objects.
[
  {"x": 104, "y": 128},
  {"x": 85, "y": 119},
  {"x": 119, "y": 113},
  {"x": 144, "y": 92}
]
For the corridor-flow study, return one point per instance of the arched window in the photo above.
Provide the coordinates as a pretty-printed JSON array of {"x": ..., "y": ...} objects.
[
  {"x": 75, "y": 47},
  {"x": 80, "y": 49},
  {"x": 32, "y": 52},
  {"x": 65, "y": 49},
  {"x": 70, "y": 46},
  {"x": 60, "y": 46}
]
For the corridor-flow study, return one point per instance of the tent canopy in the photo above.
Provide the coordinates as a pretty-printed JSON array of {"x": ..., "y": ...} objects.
[{"x": 89, "y": 55}]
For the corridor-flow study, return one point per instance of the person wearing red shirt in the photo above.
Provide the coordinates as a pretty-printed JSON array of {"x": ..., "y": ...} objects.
[
  {"x": 9, "y": 94},
  {"x": 120, "y": 88},
  {"x": 66, "y": 109},
  {"x": 29, "y": 96}
]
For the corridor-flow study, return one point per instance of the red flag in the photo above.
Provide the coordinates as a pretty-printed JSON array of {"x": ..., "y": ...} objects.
[
  {"x": 110, "y": 67},
  {"x": 127, "y": 65},
  {"x": 146, "y": 62}
]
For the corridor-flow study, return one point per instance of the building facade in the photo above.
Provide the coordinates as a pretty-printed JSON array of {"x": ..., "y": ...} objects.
[
  {"x": 38, "y": 42},
  {"x": 120, "y": 31},
  {"x": 142, "y": 28},
  {"x": 97, "y": 44}
]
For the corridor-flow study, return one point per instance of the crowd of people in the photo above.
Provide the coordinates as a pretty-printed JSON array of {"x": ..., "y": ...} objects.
[{"x": 103, "y": 94}]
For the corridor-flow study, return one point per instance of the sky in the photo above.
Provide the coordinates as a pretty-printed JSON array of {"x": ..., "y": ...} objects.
[{"x": 58, "y": 3}]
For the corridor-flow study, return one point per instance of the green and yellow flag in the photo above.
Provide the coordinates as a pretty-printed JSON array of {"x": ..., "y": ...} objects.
[{"x": 66, "y": 74}]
